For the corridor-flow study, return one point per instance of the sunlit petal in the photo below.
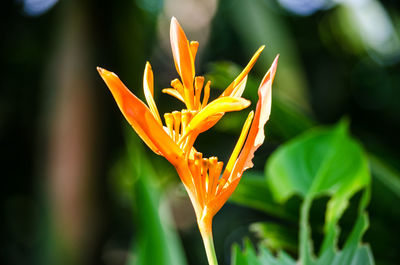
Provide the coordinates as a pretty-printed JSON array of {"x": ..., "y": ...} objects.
[
  {"x": 220, "y": 105},
  {"x": 240, "y": 142},
  {"x": 239, "y": 89},
  {"x": 206, "y": 94},
  {"x": 174, "y": 93},
  {"x": 184, "y": 61},
  {"x": 216, "y": 204},
  {"x": 141, "y": 119},
  {"x": 230, "y": 179},
  {"x": 228, "y": 91},
  {"x": 148, "y": 88},
  {"x": 194, "y": 46},
  {"x": 256, "y": 135}
]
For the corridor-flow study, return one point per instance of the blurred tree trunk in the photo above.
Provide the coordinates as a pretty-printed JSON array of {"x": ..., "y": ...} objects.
[{"x": 71, "y": 133}]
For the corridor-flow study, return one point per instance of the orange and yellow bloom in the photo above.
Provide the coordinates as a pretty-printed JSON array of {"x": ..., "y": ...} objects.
[{"x": 207, "y": 184}]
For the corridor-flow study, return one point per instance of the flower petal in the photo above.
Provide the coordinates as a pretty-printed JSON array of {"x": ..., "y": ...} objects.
[
  {"x": 141, "y": 119},
  {"x": 218, "y": 201},
  {"x": 201, "y": 121},
  {"x": 206, "y": 94},
  {"x": 238, "y": 80},
  {"x": 239, "y": 89},
  {"x": 240, "y": 142},
  {"x": 256, "y": 134},
  {"x": 173, "y": 92},
  {"x": 253, "y": 141},
  {"x": 148, "y": 88},
  {"x": 194, "y": 46},
  {"x": 184, "y": 61}
]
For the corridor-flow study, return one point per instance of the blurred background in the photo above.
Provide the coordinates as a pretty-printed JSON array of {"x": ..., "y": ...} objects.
[{"x": 79, "y": 187}]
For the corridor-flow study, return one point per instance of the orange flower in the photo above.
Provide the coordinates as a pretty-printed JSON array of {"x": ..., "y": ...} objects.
[{"x": 207, "y": 188}]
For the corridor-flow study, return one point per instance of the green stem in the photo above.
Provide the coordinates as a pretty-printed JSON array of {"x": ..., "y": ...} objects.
[
  {"x": 206, "y": 234},
  {"x": 305, "y": 242}
]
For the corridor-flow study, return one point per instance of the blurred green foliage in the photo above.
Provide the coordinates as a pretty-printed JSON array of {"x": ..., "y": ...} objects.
[{"x": 156, "y": 241}]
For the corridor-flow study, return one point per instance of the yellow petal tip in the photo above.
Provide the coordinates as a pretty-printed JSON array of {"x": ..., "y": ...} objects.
[
  {"x": 103, "y": 72},
  {"x": 251, "y": 114},
  {"x": 276, "y": 59},
  {"x": 174, "y": 21},
  {"x": 246, "y": 103}
]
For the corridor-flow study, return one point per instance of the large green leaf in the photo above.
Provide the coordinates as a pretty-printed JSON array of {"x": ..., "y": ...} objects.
[{"x": 320, "y": 162}]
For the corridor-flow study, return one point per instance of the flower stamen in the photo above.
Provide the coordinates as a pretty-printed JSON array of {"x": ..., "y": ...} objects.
[
  {"x": 206, "y": 177},
  {"x": 177, "y": 122}
]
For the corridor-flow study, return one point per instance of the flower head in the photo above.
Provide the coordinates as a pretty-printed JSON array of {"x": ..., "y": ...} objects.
[{"x": 208, "y": 185}]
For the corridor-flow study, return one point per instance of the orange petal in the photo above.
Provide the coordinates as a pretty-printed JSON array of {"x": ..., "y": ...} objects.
[
  {"x": 194, "y": 46},
  {"x": 238, "y": 80},
  {"x": 174, "y": 93},
  {"x": 240, "y": 142},
  {"x": 183, "y": 58},
  {"x": 215, "y": 108},
  {"x": 206, "y": 94},
  {"x": 256, "y": 135},
  {"x": 141, "y": 119},
  {"x": 177, "y": 85},
  {"x": 239, "y": 89},
  {"x": 253, "y": 141},
  {"x": 198, "y": 84},
  {"x": 148, "y": 88},
  {"x": 216, "y": 204}
]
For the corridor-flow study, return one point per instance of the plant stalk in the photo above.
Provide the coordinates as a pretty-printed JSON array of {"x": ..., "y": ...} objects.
[
  {"x": 206, "y": 234},
  {"x": 305, "y": 241}
]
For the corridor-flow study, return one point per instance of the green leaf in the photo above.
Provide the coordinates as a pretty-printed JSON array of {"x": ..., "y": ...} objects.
[
  {"x": 320, "y": 162},
  {"x": 249, "y": 257},
  {"x": 386, "y": 174},
  {"x": 352, "y": 253},
  {"x": 156, "y": 241},
  {"x": 253, "y": 192},
  {"x": 275, "y": 236}
]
